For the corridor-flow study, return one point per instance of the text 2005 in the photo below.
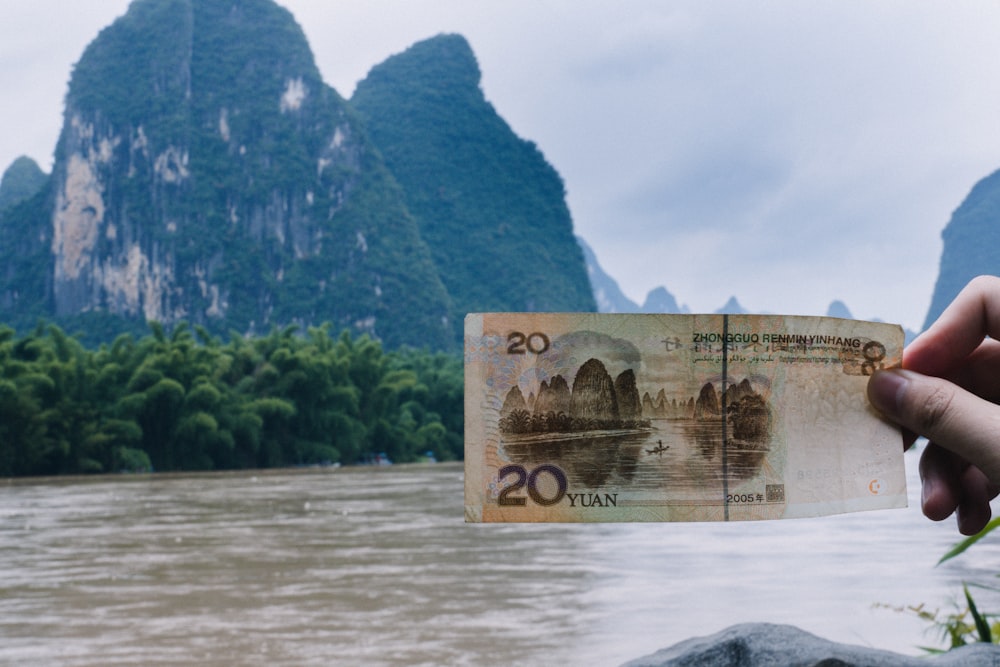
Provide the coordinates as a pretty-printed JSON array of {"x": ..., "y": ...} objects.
[{"x": 744, "y": 498}]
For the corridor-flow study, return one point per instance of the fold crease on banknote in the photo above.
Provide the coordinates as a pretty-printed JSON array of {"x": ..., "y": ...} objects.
[{"x": 586, "y": 417}]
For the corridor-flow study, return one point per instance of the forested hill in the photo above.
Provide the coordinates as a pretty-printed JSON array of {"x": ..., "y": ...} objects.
[
  {"x": 490, "y": 207},
  {"x": 22, "y": 180},
  {"x": 205, "y": 173}
]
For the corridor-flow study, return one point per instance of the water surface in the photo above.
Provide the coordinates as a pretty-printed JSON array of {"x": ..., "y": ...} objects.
[{"x": 376, "y": 567}]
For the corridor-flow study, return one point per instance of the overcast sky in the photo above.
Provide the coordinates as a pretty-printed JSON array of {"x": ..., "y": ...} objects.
[{"x": 788, "y": 153}]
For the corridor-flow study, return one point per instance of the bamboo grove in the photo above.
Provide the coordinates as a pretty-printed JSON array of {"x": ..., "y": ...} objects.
[{"x": 184, "y": 400}]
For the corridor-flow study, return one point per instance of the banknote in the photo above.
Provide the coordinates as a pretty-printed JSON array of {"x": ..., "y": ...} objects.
[{"x": 586, "y": 417}]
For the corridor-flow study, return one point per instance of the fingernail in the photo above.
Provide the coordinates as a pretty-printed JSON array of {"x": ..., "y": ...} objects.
[{"x": 886, "y": 388}]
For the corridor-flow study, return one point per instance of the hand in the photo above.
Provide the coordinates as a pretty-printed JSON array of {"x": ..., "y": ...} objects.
[{"x": 948, "y": 392}]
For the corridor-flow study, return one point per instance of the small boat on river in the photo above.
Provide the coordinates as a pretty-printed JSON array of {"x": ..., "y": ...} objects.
[{"x": 659, "y": 449}]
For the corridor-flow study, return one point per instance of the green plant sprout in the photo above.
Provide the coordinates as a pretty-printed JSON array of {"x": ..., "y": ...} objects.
[{"x": 963, "y": 625}]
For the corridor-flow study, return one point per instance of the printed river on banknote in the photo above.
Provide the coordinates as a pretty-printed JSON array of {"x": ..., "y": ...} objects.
[{"x": 627, "y": 417}]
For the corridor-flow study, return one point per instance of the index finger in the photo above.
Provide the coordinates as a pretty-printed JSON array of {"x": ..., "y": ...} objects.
[{"x": 973, "y": 315}]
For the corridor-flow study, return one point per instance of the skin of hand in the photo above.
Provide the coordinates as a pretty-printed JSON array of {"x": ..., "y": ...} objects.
[{"x": 948, "y": 391}]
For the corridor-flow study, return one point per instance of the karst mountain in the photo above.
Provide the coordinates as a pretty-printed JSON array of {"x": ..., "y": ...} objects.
[{"x": 206, "y": 173}]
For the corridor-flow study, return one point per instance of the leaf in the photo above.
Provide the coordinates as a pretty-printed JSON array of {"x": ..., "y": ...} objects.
[
  {"x": 982, "y": 627},
  {"x": 931, "y": 650},
  {"x": 969, "y": 541}
]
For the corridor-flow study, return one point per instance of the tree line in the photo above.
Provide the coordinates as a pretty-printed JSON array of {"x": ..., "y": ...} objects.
[{"x": 184, "y": 400}]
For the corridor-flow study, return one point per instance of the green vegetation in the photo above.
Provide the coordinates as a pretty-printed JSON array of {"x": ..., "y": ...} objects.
[
  {"x": 26, "y": 258},
  {"x": 965, "y": 624},
  {"x": 960, "y": 627},
  {"x": 968, "y": 625},
  {"x": 22, "y": 180},
  {"x": 240, "y": 183},
  {"x": 187, "y": 401},
  {"x": 239, "y": 191},
  {"x": 490, "y": 207}
]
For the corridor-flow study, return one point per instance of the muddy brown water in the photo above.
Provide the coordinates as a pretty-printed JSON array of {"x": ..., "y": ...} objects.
[{"x": 367, "y": 566}]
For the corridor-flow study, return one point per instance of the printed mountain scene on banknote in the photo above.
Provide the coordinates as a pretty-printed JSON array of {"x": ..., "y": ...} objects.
[{"x": 627, "y": 417}]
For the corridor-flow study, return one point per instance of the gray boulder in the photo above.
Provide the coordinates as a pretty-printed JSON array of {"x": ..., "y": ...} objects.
[{"x": 770, "y": 645}]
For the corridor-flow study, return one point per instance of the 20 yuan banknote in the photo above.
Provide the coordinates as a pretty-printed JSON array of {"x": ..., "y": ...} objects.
[{"x": 587, "y": 417}]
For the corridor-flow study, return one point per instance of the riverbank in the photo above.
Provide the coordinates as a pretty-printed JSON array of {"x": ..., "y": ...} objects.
[{"x": 317, "y": 469}]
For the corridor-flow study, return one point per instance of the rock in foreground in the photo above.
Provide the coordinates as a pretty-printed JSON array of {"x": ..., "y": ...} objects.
[{"x": 769, "y": 645}]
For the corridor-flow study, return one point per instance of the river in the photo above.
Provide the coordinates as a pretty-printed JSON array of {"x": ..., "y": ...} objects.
[{"x": 374, "y": 566}]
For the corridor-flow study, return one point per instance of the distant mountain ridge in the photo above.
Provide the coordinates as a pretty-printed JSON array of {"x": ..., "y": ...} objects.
[
  {"x": 971, "y": 239},
  {"x": 611, "y": 299},
  {"x": 205, "y": 172},
  {"x": 607, "y": 293}
]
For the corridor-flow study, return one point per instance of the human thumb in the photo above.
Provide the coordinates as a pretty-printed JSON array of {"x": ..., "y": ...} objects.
[{"x": 942, "y": 412}]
